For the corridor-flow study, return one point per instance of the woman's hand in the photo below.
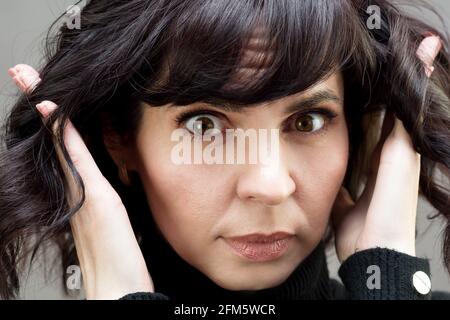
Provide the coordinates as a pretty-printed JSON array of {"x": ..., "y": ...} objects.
[
  {"x": 111, "y": 261},
  {"x": 25, "y": 77},
  {"x": 385, "y": 214}
]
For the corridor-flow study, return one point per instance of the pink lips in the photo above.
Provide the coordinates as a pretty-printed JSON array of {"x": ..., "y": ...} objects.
[{"x": 260, "y": 247}]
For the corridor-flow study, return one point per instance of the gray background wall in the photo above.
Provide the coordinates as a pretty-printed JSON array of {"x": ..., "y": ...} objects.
[{"x": 23, "y": 25}]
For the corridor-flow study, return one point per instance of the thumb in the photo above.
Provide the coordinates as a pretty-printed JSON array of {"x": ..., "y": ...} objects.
[
  {"x": 428, "y": 51},
  {"x": 342, "y": 205}
]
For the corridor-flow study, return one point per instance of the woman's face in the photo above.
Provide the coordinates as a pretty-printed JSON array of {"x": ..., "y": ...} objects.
[{"x": 200, "y": 208}]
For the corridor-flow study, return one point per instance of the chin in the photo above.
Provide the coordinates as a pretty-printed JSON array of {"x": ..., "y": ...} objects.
[{"x": 251, "y": 280}]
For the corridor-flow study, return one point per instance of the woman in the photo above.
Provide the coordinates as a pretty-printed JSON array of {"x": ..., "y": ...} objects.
[{"x": 90, "y": 151}]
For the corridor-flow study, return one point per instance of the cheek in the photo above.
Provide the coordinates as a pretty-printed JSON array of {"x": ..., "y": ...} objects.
[
  {"x": 319, "y": 177},
  {"x": 186, "y": 200},
  {"x": 186, "y": 195}
]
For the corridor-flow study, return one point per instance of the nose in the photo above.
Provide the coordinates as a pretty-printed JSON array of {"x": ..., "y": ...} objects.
[{"x": 269, "y": 183}]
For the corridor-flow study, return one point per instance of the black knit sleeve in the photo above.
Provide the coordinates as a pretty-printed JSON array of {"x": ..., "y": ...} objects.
[
  {"x": 385, "y": 274},
  {"x": 144, "y": 296}
]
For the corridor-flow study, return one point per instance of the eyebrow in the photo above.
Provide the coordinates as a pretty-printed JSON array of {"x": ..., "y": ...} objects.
[
  {"x": 313, "y": 100},
  {"x": 310, "y": 101}
]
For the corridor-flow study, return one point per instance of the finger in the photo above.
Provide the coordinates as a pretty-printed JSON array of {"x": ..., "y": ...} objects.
[
  {"x": 400, "y": 148},
  {"x": 77, "y": 151},
  {"x": 387, "y": 127},
  {"x": 428, "y": 51},
  {"x": 393, "y": 209},
  {"x": 396, "y": 190},
  {"x": 342, "y": 204},
  {"x": 25, "y": 77},
  {"x": 46, "y": 108},
  {"x": 18, "y": 81}
]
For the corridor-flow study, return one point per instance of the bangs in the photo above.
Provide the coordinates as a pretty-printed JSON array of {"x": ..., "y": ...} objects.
[{"x": 246, "y": 52}]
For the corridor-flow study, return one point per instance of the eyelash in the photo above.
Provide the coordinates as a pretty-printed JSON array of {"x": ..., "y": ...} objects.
[
  {"x": 327, "y": 113},
  {"x": 184, "y": 116}
]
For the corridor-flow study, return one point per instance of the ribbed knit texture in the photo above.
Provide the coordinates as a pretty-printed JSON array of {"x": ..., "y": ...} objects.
[
  {"x": 396, "y": 275},
  {"x": 144, "y": 296},
  {"x": 310, "y": 281}
]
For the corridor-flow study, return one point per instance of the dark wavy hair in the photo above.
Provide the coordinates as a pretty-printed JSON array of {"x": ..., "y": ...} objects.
[{"x": 185, "y": 51}]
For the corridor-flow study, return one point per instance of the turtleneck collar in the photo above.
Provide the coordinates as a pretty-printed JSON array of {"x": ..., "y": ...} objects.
[{"x": 178, "y": 280}]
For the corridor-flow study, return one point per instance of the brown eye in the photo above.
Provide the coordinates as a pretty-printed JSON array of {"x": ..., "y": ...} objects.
[
  {"x": 198, "y": 125},
  {"x": 308, "y": 123},
  {"x": 202, "y": 124}
]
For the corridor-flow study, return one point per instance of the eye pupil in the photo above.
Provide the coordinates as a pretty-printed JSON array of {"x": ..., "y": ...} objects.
[
  {"x": 304, "y": 123},
  {"x": 202, "y": 124}
]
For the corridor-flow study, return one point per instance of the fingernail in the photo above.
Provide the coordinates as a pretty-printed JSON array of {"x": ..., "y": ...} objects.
[
  {"x": 428, "y": 51},
  {"x": 429, "y": 71},
  {"x": 42, "y": 109},
  {"x": 428, "y": 34},
  {"x": 435, "y": 44},
  {"x": 46, "y": 107}
]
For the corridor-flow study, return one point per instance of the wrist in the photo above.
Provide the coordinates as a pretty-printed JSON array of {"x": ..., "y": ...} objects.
[{"x": 402, "y": 244}]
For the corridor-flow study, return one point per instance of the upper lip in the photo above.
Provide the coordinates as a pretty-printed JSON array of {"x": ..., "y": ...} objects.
[{"x": 261, "y": 237}]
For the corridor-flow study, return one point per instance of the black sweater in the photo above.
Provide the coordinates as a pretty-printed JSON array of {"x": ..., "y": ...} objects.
[{"x": 174, "y": 279}]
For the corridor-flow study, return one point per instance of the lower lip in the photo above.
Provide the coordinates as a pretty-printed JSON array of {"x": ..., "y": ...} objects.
[{"x": 260, "y": 251}]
